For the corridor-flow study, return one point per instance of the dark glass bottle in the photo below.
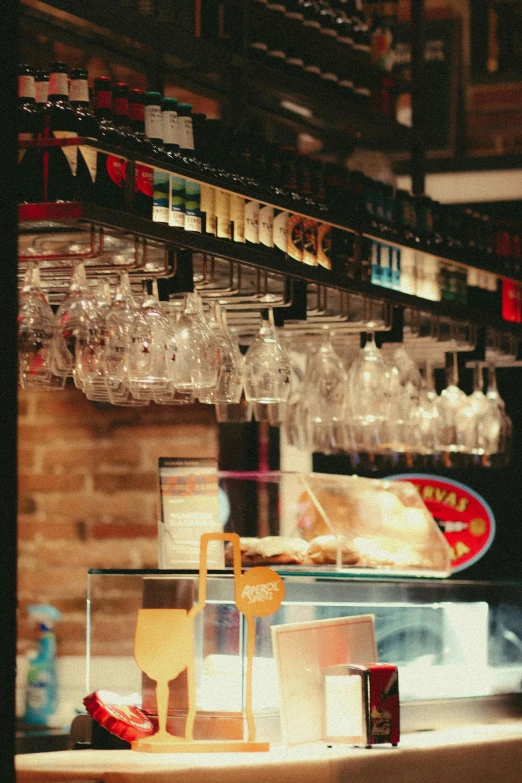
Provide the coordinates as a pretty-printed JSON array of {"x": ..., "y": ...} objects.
[
  {"x": 203, "y": 158},
  {"x": 218, "y": 158},
  {"x": 41, "y": 84},
  {"x": 59, "y": 122},
  {"x": 310, "y": 226},
  {"x": 145, "y": 175},
  {"x": 280, "y": 213},
  {"x": 193, "y": 220},
  {"x": 109, "y": 188},
  {"x": 29, "y": 173},
  {"x": 169, "y": 120},
  {"x": 87, "y": 127},
  {"x": 295, "y": 220},
  {"x": 324, "y": 229}
]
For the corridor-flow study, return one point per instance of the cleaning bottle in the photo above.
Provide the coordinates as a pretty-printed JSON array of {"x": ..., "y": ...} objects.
[{"x": 41, "y": 698}]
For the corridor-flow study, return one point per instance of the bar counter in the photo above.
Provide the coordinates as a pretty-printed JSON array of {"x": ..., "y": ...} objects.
[{"x": 482, "y": 754}]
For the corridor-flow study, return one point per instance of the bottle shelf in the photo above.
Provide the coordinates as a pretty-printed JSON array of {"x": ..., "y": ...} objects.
[
  {"x": 59, "y": 218},
  {"x": 158, "y": 46}
]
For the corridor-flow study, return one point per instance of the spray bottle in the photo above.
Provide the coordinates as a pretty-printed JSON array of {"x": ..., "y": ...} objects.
[{"x": 41, "y": 698}]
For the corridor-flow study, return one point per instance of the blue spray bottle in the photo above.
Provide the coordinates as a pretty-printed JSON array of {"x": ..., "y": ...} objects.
[{"x": 41, "y": 696}]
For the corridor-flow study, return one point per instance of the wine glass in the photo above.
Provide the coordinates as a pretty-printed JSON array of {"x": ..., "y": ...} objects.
[
  {"x": 368, "y": 400},
  {"x": 499, "y": 441},
  {"x": 163, "y": 647},
  {"x": 229, "y": 383},
  {"x": 74, "y": 319},
  {"x": 453, "y": 415},
  {"x": 325, "y": 389},
  {"x": 148, "y": 370},
  {"x": 197, "y": 358},
  {"x": 267, "y": 365},
  {"x": 89, "y": 370},
  {"x": 35, "y": 335}
]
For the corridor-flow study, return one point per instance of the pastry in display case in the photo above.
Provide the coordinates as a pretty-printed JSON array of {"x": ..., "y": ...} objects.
[{"x": 314, "y": 520}]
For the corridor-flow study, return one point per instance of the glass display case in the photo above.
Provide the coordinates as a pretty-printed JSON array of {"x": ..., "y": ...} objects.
[{"x": 452, "y": 640}]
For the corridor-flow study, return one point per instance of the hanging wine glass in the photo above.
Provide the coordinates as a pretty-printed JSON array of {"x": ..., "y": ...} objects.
[
  {"x": 499, "y": 433},
  {"x": 74, "y": 319},
  {"x": 368, "y": 399},
  {"x": 267, "y": 366},
  {"x": 197, "y": 358},
  {"x": 426, "y": 415},
  {"x": 89, "y": 371},
  {"x": 325, "y": 390},
  {"x": 148, "y": 370},
  {"x": 230, "y": 364},
  {"x": 453, "y": 419},
  {"x": 35, "y": 335}
]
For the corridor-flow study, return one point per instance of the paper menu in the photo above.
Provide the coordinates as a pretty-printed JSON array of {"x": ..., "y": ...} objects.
[
  {"x": 302, "y": 652},
  {"x": 189, "y": 507}
]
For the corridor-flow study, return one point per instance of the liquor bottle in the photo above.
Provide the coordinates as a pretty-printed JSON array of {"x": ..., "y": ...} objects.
[
  {"x": 275, "y": 173},
  {"x": 59, "y": 122},
  {"x": 256, "y": 174},
  {"x": 87, "y": 127},
  {"x": 169, "y": 119},
  {"x": 310, "y": 226},
  {"x": 109, "y": 188},
  {"x": 193, "y": 219},
  {"x": 41, "y": 84},
  {"x": 324, "y": 229},
  {"x": 295, "y": 220},
  {"x": 160, "y": 179},
  {"x": 203, "y": 157},
  {"x": 218, "y": 157},
  {"x": 30, "y": 168}
]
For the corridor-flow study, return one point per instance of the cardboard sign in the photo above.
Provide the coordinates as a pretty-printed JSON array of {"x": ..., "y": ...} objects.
[
  {"x": 464, "y": 517},
  {"x": 189, "y": 508},
  {"x": 302, "y": 652}
]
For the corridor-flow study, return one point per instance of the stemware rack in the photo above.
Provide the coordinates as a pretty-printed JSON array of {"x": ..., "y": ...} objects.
[{"x": 109, "y": 241}]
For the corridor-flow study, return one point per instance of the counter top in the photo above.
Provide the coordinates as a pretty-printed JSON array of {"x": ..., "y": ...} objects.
[{"x": 479, "y": 753}]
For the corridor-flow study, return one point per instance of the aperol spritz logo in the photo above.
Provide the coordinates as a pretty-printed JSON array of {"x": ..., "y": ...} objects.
[
  {"x": 260, "y": 591},
  {"x": 256, "y": 593},
  {"x": 464, "y": 517}
]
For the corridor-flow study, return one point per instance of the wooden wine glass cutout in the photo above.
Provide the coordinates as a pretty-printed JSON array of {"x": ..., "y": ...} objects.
[{"x": 164, "y": 647}]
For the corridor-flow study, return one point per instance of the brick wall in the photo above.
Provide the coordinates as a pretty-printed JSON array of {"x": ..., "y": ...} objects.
[{"x": 88, "y": 496}]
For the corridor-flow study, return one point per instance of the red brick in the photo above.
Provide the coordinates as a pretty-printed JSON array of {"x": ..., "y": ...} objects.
[
  {"x": 128, "y": 482},
  {"x": 97, "y": 507},
  {"x": 26, "y": 504},
  {"x": 26, "y": 458},
  {"x": 65, "y": 482},
  {"x": 54, "y": 433},
  {"x": 29, "y": 528},
  {"x": 114, "y": 530},
  {"x": 44, "y": 584},
  {"x": 100, "y": 554},
  {"x": 92, "y": 456}
]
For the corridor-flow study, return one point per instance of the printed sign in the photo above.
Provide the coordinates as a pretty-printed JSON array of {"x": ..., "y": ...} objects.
[
  {"x": 464, "y": 517},
  {"x": 260, "y": 592},
  {"x": 189, "y": 507}
]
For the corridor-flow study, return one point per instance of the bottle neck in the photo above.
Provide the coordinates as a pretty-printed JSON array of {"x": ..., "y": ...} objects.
[
  {"x": 137, "y": 117},
  {"x": 103, "y": 105}
]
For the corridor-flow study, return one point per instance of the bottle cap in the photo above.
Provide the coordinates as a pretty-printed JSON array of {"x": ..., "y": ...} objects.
[
  {"x": 152, "y": 98},
  {"x": 124, "y": 720},
  {"x": 79, "y": 73},
  {"x": 185, "y": 107},
  {"x": 169, "y": 104},
  {"x": 58, "y": 67}
]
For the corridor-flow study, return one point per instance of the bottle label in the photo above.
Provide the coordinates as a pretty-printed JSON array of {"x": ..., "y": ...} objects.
[
  {"x": 58, "y": 84},
  {"x": 324, "y": 245},
  {"x": 223, "y": 214},
  {"x": 114, "y": 169},
  {"x": 153, "y": 122},
  {"x": 71, "y": 153},
  {"x": 186, "y": 135},
  {"x": 281, "y": 231},
  {"x": 169, "y": 121},
  {"x": 79, "y": 92},
  {"x": 42, "y": 91},
  {"x": 310, "y": 242},
  {"x": 252, "y": 222},
  {"x": 26, "y": 88},
  {"x": 160, "y": 204},
  {"x": 208, "y": 206},
  {"x": 144, "y": 182},
  {"x": 192, "y": 206},
  {"x": 90, "y": 156},
  {"x": 103, "y": 99},
  {"x": 237, "y": 216},
  {"x": 177, "y": 202},
  {"x": 295, "y": 237},
  {"x": 266, "y": 225}
]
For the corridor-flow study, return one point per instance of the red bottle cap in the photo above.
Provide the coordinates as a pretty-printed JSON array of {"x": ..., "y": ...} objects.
[{"x": 127, "y": 722}]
